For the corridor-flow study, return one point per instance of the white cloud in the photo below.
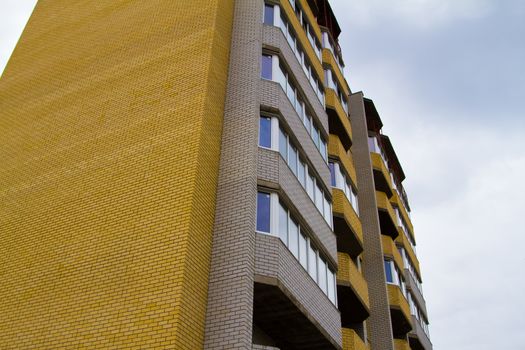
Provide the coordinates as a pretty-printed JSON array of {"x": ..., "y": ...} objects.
[{"x": 420, "y": 13}]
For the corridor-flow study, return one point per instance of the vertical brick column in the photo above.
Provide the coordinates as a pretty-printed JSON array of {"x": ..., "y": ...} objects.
[
  {"x": 230, "y": 293},
  {"x": 379, "y": 323}
]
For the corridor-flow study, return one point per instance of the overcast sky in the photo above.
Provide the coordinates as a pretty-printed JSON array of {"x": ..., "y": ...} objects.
[{"x": 448, "y": 79}]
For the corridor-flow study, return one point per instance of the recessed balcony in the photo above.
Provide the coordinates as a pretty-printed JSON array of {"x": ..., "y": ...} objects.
[
  {"x": 402, "y": 240},
  {"x": 352, "y": 292},
  {"x": 382, "y": 178},
  {"x": 329, "y": 60},
  {"x": 336, "y": 150},
  {"x": 352, "y": 341},
  {"x": 338, "y": 120},
  {"x": 347, "y": 225},
  {"x": 399, "y": 311},
  {"x": 396, "y": 200},
  {"x": 387, "y": 216},
  {"x": 390, "y": 250}
]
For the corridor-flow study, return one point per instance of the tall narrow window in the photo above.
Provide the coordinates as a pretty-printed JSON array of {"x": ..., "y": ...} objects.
[
  {"x": 388, "y": 271},
  {"x": 263, "y": 212},
  {"x": 283, "y": 224},
  {"x": 265, "y": 132},
  {"x": 303, "y": 250},
  {"x": 301, "y": 171},
  {"x": 312, "y": 262},
  {"x": 266, "y": 67},
  {"x": 268, "y": 14},
  {"x": 331, "y": 286},
  {"x": 322, "y": 274},
  {"x": 292, "y": 159},
  {"x": 283, "y": 144},
  {"x": 332, "y": 173},
  {"x": 293, "y": 239}
]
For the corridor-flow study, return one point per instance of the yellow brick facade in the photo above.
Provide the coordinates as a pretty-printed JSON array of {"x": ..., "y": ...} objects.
[{"x": 110, "y": 127}]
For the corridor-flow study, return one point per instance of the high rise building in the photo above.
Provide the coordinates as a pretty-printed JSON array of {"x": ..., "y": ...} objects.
[{"x": 198, "y": 174}]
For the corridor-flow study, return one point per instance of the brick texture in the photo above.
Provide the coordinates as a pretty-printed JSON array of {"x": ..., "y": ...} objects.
[
  {"x": 379, "y": 324},
  {"x": 110, "y": 124},
  {"x": 230, "y": 301}
]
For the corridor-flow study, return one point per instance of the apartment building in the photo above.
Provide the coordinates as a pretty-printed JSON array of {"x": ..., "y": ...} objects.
[{"x": 191, "y": 175}]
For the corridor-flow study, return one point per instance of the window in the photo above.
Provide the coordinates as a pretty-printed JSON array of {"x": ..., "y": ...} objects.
[
  {"x": 266, "y": 67},
  {"x": 292, "y": 161},
  {"x": 310, "y": 186},
  {"x": 293, "y": 238},
  {"x": 283, "y": 223},
  {"x": 331, "y": 285},
  {"x": 303, "y": 250},
  {"x": 388, "y": 271},
  {"x": 312, "y": 262},
  {"x": 283, "y": 144},
  {"x": 319, "y": 198},
  {"x": 265, "y": 132},
  {"x": 263, "y": 212},
  {"x": 332, "y": 174},
  {"x": 301, "y": 172},
  {"x": 275, "y": 219},
  {"x": 322, "y": 274},
  {"x": 268, "y": 14}
]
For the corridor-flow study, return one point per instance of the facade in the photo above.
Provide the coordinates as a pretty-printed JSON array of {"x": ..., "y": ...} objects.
[{"x": 198, "y": 175}]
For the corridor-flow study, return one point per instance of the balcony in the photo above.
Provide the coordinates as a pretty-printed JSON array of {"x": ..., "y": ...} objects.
[
  {"x": 352, "y": 341},
  {"x": 338, "y": 120},
  {"x": 387, "y": 215},
  {"x": 400, "y": 344},
  {"x": 402, "y": 240},
  {"x": 399, "y": 311},
  {"x": 303, "y": 39},
  {"x": 396, "y": 200},
  {"x": 329, "y": 60},
  {"x": 416, "y": 292},
  {"x": 336, "y": 150},
  {"x": 382, "y": 178},
  {"x": 418, "y": 338},
  {"x": 352, "y": 292},
  {"x": 390, "y": 250},
  {"x": 347, "y": 225}
]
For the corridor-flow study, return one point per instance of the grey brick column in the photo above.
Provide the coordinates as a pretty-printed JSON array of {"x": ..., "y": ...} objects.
[
  {"x": 379, "y": 323},
  {"x": 230, "y": 292}
]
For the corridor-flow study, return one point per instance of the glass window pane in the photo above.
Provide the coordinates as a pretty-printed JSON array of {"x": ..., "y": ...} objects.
[
  {"x": 331, "y": 286},
  {"x": 303, "y": 250},
  {"x": 265, "y": 132},
  {"x": 266, "y": 67},
  {"x": 300, "y": 108},
  {"x": 283, "y": 144},
  {"x": 327, "y": 211},
  {"x": 323, "y": 148},
  {"x": 290, "y": 92},
  {"x": 283, "y": 224},
  {"x": 268, "y": 14},
  {"x": 322, "y": 274},
  {"x": 292, "y": 159},
  {"x": 319, "y": 198},
  {"x": 388, "y": 271},
  {"x": 301, "y": 172},
  {"x": 263, "y": 212},
  {"x": 310, "y": 186},
  {"x": 293, "y": 238},
  {"x": 307, "y": 121},
  {"x": 332, "y": 174},
  {"x": 281, "y": 78},
  {"x": 315, "y": 136},
  {"x": 312, "y": 262}
]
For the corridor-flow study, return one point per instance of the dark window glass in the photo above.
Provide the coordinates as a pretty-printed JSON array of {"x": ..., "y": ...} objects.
[
  {"x": 332, "y": 173},
  {"x": 266, "y": 67},
  {"x": 265, "y": 132},
  {"x": 263, "y": 212},
  {"x": 268, "y": 14},
  {"x": 388, "y": 272}
]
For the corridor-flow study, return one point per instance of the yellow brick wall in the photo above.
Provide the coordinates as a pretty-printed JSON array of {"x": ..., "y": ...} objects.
[{"x": 110, "y": 124}]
